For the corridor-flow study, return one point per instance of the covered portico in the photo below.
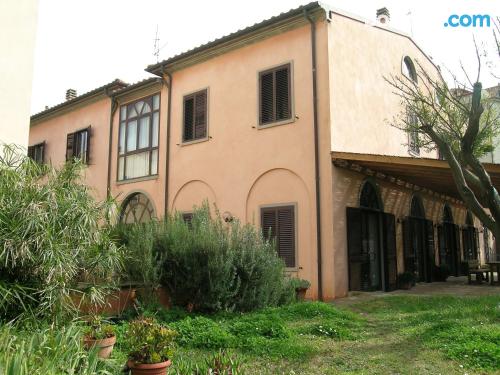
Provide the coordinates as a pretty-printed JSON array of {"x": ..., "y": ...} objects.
[{"x": 402, "y": 214}]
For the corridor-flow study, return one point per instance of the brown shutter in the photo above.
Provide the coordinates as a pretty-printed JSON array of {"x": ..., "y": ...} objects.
[
  {"x": 200, "y": 115},
  {"x": 188, "y": 118},
  {"x": 409, "y": 257},
  {"x": 390, "y": 252},
  {"x": 354, "y": 247},
  {"x": 70, "y": 143},
  {"x": 269, "y": 223},
  {"x": 430, "y": 263},
  {"x": 282, "y": 79},
  {"x": 266, "y": 97},
  {"x": 87, "y": 145},
  {"x": 31, "y": 152},
  {"x": 286, "y": 235}
]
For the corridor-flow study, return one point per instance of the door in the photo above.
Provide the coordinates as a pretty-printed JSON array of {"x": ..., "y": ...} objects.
[
  {"x": 418, "y": 241},
  {"x": 390, "y": 253},
  {"x": 449, "y": 247}
]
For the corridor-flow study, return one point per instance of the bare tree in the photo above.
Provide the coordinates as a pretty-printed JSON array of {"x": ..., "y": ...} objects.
[{"x": 462, "y": 127}]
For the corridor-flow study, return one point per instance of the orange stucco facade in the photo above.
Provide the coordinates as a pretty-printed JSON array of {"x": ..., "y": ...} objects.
[{"x": 241, "y": 166}]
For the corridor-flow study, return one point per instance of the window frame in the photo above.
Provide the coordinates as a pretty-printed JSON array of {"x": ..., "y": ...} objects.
[
  {"x": 193, "y": 94},
  {"x": 412, "y": 71},
  {"x": 291, "y": 101},
  {"x": 277, "y": 206},
  {"x": 75, "y": 134},
  {"x": 34, "y": 147},
  {"x": 150, "y": 149}
]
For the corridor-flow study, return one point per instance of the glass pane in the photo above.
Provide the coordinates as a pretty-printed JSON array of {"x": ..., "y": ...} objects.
[
  {"x": 137, "y": 165},
  {"x": 120, "y": 168},
  {"x": 154, "y": 162},
  {"x": 146, "y": 108},
  {"x": 144, "y": 132},
  {"x": 138, "y": 106},
  {"x": 156, "y": 102},
  {"x": 123, "y": 113},
  {"x": 131, "y": 111},
  {"x": 156, "y": 120},
  {"x": 121, "y": 137},
  {"x": 132, "y": 136}
]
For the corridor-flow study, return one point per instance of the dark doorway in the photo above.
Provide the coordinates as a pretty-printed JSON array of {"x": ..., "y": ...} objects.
[
  {"x": 449, "y": 243},
  {"x": 470, "y": 239},
  {"x": 371, "y": 239},
  {"x": 418, "y": 241}
]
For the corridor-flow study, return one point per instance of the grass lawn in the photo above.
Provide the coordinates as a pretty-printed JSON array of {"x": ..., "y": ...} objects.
[{"x": 385, "y": 335}]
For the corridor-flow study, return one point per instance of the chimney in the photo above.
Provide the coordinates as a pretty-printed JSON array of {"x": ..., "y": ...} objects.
[
  {"x": 70, "y": 94},
  {"x": 383, "y": 16}
]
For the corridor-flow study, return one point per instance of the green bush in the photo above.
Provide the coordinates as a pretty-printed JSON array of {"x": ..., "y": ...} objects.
[
  {"x": 208, "y": 265},
  {"x": 201, "y": 332},
  {"x": 52, "y": 238}
]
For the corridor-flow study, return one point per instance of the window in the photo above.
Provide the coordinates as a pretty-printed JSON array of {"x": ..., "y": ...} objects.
[
  {"x": 137, "y": 208},
  {"x": 275, "y": 95},
  {"x": 278, "y": 224},
  {"x": 195, "y": 116},
  {"x": 36, "y": 152},
  {"x": 369, "y": 197},
  {"x": 78, "y": 145},
  {"x": 408, "y": 69},
  {"x": 188, "y": 219},
  {"x": 413, "y": 141},
  {"x": 138, "y": 138}
]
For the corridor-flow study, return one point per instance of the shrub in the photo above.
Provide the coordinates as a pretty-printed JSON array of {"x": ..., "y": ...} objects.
[
  {"x": 300, "y": 283},
  {"x": 97, "y": 329},
  {"x": 148, "y": 341},
  {"x": 52, "y": 236},
  {"x": 201, "y": 332},
  {"x": 209, "y": 265}
]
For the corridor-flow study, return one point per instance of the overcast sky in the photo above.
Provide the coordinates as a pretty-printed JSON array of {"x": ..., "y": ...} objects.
[{"x": 83, "y": 44}]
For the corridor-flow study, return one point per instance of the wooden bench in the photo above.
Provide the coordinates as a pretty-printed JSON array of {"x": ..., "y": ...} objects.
[{"x": 474, "y": 268}]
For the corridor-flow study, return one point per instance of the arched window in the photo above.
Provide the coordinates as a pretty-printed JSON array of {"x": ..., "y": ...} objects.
[
  {"x": 369, "y": 197},
  {"x": 408, "y": 69},
  {"x": 447, "y": 215},
  {"x": 137, "y": 208},
  {"x": 468, "y": 219},
  {"x": 417, "y": 207}
]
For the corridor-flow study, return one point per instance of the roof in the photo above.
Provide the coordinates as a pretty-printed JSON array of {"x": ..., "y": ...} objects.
[
  {"x": 310, "y": 7},
  {"x": 106, "y": 89},
  {"x": 137, "y": 85},
  {"x": 418, "y": 174}
]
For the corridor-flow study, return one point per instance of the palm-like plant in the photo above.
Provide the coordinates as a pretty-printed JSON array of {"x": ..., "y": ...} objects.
[{"x": 53, "y": 237}]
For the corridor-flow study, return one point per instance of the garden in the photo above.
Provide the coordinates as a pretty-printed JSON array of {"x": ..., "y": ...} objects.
[{"x": 203, "y": 297}]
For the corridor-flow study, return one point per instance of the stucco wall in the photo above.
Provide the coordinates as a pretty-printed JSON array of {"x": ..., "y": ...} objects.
[
  {"x": 55, "y": 130},
  {"x": 17, "y": 42},
  {"x": 363, "y": 103}
]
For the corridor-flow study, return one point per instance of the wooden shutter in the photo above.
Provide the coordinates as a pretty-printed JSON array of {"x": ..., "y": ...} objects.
[
  {"x": 354, "y": 247},
  {"x": 87, "y": 145},
  {"x": 441, "y": 245},
  {"x": 282, "y": 82},
  {"x": 409, "y": 254},
  {"x": 278, "y": 223},
  {"x": 200, "y": 115},
  {"x": 70, "y": 144},
  {"x": 31, "y": 152},
  {"x": 476, "y": 244},
  {"x": 390, "y": 252},
  {"x": 188, "y": 219},
  {"x": 430, "y": 261},
  {"x": 456, "y": 257},
  {"x": 188, "y": 118},
  {"x": 266, "y": 97}
]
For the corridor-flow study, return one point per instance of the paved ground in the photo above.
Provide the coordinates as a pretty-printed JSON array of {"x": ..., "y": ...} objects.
[{"x": 456, "y": 286}]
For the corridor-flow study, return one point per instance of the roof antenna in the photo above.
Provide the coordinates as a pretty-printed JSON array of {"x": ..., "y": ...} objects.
[
  {"x": 409, "y": 14},
  {"x": 156, "y": 47}
]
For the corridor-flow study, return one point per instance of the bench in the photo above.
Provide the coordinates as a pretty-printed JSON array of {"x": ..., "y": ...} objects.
[{"x": 474, "y": 268}]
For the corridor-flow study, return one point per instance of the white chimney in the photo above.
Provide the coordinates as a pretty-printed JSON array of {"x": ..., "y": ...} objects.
[{"x": 383, "y": 16}]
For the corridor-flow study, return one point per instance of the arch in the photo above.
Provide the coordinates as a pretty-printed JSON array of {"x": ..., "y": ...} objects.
[
  {"x": 369, "y": 196},
  {"x": 469, "y": 221},
  {"x": 447, "y": 214},
  {"x": 137, "y": 207},
  {"x": 417, "y": 207},
  {"x": 408, "y": 69},
  {"x": 193, "y": 193}
]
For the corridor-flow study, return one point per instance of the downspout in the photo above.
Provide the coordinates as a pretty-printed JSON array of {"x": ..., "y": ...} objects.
[
  {"x": 114, "y": 106},
  {"x": 316, "y": 154},
  {"x": 167, "y": 161}
]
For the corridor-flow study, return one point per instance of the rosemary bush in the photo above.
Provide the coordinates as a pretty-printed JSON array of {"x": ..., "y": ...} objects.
[{"x": 52, "y": 237}]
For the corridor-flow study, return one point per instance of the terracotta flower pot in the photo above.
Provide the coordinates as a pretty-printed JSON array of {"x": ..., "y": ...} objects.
[
  {"x": 149, "y": 368},
  {"x": 105, "y": 346}
]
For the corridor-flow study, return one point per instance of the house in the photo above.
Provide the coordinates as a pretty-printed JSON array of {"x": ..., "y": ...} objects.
[{"x": 283, "y": 125}]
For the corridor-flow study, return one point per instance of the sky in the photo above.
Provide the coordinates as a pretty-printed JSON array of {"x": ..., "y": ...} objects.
[{"x": 84, "y": 44}]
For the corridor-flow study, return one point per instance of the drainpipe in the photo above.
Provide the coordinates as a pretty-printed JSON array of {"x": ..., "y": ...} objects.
[
  {"x": 316, "y": 153},
  {"x": 114, "y": 106},
  {"x": 167, "y": 161}
]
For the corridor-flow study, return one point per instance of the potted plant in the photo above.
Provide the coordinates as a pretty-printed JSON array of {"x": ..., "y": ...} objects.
[
  {"x": 150, "y": 347},
  {"x": 406, "y": 280},
  {"x": 300, "y": 286},
  {"x": 441, "y": 272},
  {"x": 101, "y": 335}
]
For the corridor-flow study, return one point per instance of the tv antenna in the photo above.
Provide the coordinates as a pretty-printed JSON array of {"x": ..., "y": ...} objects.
[
  {"x": 410, "y": 16},
  {"x": 156, "y": 47}
]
